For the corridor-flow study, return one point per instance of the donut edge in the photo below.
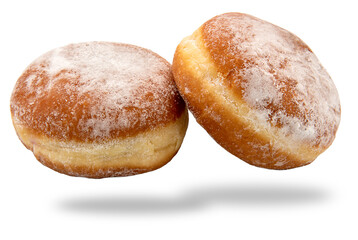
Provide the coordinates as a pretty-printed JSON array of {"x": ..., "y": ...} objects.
[{"x": 173, "y": 134}]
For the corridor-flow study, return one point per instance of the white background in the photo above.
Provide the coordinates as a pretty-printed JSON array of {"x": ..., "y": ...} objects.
[{"x": 204, "y": 192}]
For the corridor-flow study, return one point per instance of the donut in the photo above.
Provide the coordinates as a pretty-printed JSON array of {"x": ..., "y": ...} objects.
[
  {"x": 99, "y": 109},
  {"x": 258, "y": 90}
]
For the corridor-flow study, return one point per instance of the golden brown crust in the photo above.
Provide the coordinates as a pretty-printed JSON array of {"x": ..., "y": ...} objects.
[
  {"x": 242, "y": 90},
  {"x": 99, "y": 109},
  {"x": 217, "y": 37},
  {"x": 63, "y": 102}
]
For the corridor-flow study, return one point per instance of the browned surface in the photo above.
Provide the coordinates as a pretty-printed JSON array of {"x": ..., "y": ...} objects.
[
  {"x": 64, "y": 126},
  {"x": 213, "y": 86},
  {"x": 219, "y": 42}
]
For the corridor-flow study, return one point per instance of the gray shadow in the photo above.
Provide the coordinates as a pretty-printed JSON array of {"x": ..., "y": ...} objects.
[{"x": 197, "y": 198}]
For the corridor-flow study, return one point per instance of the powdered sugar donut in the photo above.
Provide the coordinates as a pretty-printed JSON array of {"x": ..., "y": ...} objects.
[
  {"x": 99, "y": 109},
  {"x": 258, "y": 90}
]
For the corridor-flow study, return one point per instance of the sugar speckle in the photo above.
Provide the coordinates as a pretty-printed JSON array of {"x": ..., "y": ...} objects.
[
  {"x": 94, "y": 89},
  {"x": 277, "y": 74}
]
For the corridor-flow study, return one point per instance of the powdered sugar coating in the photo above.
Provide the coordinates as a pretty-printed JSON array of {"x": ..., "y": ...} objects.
[
  {"x": 277, "y": 74},
  {"x": 96, "y": 91}
]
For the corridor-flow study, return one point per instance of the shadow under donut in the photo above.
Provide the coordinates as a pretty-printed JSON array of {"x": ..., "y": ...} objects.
[{"x": 197, "y": 198}]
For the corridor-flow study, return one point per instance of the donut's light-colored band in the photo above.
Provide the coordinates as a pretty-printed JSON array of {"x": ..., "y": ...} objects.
[{"x": 145, "y": 151}]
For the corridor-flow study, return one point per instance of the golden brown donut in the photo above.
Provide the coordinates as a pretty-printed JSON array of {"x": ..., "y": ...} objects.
[
  {"x": 99, "y": 109},
  {"x": 258, "y": 90}
]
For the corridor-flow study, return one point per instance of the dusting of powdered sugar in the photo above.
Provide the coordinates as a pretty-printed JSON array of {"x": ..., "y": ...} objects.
[
  {"x": 107, "y": 86},
  {"x": 279, "y": 76}
]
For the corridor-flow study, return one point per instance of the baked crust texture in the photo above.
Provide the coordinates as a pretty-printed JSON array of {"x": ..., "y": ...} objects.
[
  {"x": 258, "y": 90},
  {"x": 99, "y": 109},
  {"x": 96, "y": 91}
]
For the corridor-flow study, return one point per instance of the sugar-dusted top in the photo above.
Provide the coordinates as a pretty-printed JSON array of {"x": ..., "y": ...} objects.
[
  {"x": 96, "y": 91},
  {"x": 277, "y": 74}
]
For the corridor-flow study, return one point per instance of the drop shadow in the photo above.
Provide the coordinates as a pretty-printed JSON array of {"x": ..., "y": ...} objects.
[{"x": 195, "y": 199}]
